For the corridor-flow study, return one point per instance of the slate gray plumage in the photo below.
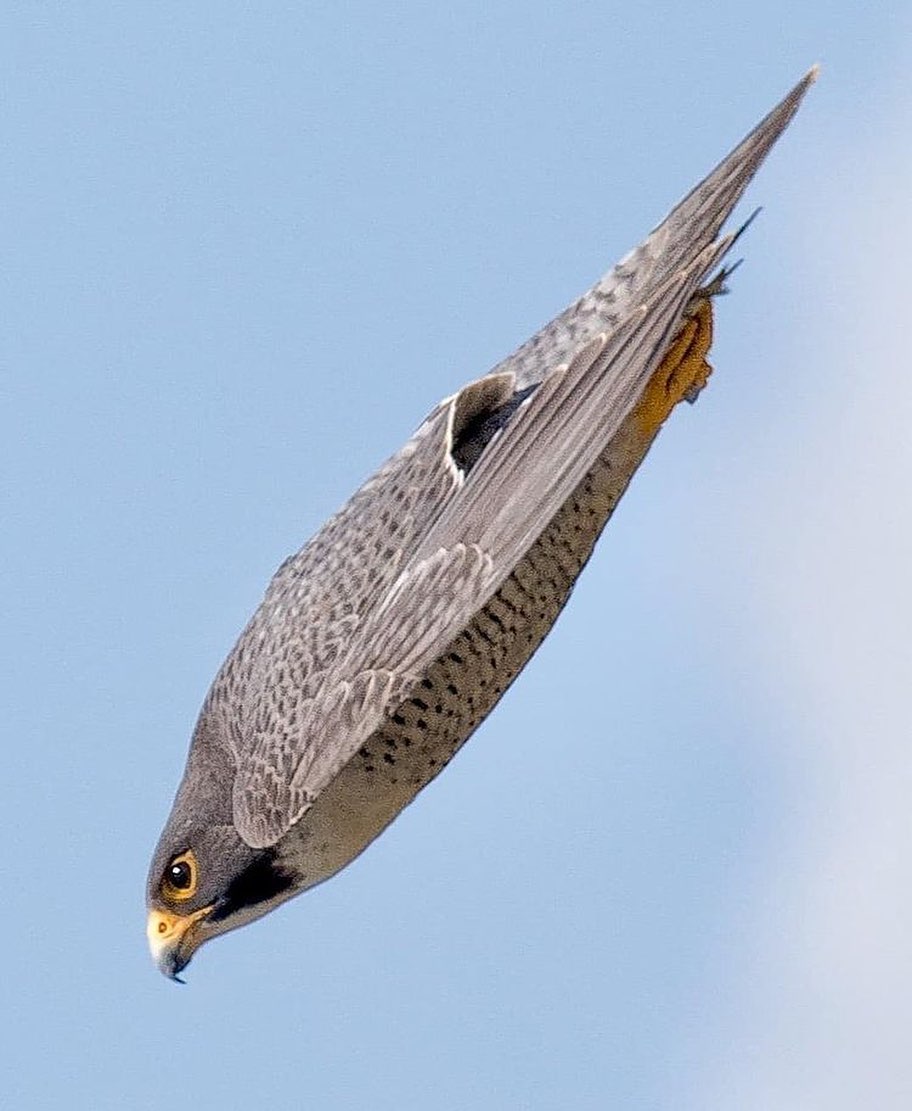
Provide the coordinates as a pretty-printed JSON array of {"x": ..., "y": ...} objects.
[{"x": 385, "y": 641}]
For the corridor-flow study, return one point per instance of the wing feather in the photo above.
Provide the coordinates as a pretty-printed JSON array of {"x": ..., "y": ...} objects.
[
  {"x": 394, "y": 577},
  {"x": 696, "y": 219}
]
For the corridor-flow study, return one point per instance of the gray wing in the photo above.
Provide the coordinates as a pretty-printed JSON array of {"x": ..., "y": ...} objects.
[
  {"x": 350, "y": 624},
  {"x": 696, "y": 220}
]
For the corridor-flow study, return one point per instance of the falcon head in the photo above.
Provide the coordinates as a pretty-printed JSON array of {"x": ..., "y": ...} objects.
[{"x": 204, "y": 879}]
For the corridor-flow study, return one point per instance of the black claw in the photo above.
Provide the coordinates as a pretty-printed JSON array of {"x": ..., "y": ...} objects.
[{"x": 747, "y": 223}]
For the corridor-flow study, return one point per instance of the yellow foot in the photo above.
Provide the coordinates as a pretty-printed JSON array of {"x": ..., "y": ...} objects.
[{"x": 682, "y": 373}]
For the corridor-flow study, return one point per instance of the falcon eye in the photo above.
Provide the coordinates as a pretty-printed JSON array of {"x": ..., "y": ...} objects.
[
  {"x": 180, "y": 876},
  {"x": 180, "y": 879}
]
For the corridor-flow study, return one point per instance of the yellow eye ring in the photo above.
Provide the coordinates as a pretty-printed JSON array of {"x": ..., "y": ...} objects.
[{"x": 181, "y": 878}]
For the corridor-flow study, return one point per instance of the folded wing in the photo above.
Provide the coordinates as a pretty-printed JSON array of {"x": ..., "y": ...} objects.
[{"x": 431, "y": 541}]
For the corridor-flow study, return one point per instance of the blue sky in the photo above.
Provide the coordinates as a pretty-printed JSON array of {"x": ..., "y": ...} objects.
[{"x": 244, "y": 250}]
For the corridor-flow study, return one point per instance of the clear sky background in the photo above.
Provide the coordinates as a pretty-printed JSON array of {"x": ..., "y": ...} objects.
[{"x": 244, "y": 249}]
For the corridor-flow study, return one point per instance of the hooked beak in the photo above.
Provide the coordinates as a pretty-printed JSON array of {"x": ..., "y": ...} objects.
[{"x": 174, "y": 938}]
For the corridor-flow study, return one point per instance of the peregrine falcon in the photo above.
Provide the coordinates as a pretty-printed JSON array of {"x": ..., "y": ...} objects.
[{"x": 387, "y": 639}]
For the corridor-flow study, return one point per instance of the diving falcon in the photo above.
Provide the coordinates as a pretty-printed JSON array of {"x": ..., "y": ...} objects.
[{"x": 386, "y": 640}]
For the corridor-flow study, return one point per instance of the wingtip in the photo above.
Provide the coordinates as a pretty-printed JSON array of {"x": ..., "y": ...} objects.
[
  {"x": 790, "y": 102},
  {"x": 782, "y": 114},
  {"x": 796, "y": 95}
]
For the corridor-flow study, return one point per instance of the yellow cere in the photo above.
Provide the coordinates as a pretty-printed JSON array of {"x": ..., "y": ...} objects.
[{"x": 165, "y": 930}]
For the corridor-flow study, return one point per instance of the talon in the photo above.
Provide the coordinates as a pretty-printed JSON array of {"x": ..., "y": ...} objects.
[
  {"x": 716, "y": 286},
  {"x": 684, "y": 370}
]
